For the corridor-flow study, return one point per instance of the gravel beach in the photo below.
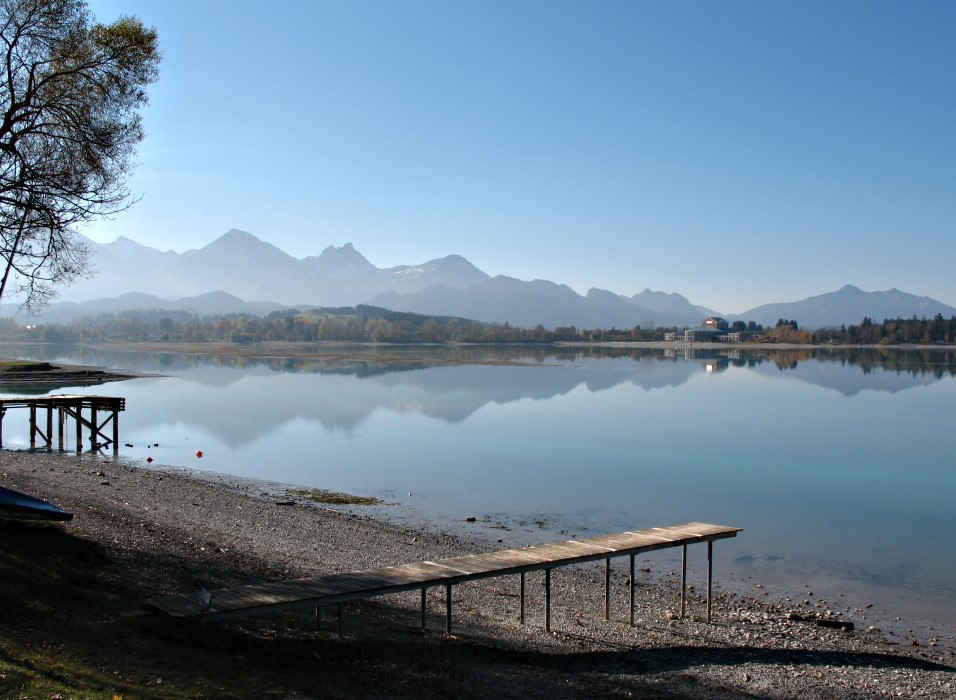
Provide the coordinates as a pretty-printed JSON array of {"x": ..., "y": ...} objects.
[{"x": 164, "y": 531}]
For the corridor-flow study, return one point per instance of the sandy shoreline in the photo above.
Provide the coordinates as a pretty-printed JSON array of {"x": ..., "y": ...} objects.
[{"x": 227, "y": 531}]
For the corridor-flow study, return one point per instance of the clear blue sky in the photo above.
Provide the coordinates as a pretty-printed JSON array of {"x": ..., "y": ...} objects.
[{"x": 735, "y": 152}]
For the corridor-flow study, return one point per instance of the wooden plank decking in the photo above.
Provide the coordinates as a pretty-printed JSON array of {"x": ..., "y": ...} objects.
[{"x": 339, "y": 588}]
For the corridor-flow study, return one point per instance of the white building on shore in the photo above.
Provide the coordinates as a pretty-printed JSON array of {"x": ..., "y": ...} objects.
[{"x": 714, "y": 329}]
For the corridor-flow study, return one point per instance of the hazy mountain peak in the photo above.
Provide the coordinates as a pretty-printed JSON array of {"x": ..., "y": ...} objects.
[
  {"x": 127, "y": 246},
  {"x": 455, "y": 260},
  {"x": 340, "y": 262},
  {"x": 242, "y": 244},
  {"x": 452, "y": 271},
  {"x": 667, "y": 304},
  {"x": 598, "y": 293},
  {"x": 235, "y": 236},
  {"x": 848, "y": 304},
  {"x": 246, "y": 267}
]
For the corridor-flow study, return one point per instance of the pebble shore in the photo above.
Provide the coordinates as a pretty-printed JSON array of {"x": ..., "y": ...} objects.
[{"x": 768, "y": 648}]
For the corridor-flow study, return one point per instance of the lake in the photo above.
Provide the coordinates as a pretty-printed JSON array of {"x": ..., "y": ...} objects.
[{"x": 839, "y": 465}]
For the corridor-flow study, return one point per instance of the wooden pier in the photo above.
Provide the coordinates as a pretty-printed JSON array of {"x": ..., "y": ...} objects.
[
  {"x": 339, "y": 588},
  {"x": 94, "y": 413}
]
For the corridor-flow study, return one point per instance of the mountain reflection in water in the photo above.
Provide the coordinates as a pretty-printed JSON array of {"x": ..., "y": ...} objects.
[{"x": 836, "y": 462}]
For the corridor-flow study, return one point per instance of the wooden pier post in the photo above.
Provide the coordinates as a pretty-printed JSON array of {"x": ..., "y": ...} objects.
[
  {"x": 94, "y": 434},
  {"x": 78, "y": 415},
  {"x": 49, "y": 427}
]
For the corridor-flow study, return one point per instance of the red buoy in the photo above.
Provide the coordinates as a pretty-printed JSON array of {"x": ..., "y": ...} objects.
[
  {"x": 199, "y": 453},
  {"x": 149, "y": 459}
]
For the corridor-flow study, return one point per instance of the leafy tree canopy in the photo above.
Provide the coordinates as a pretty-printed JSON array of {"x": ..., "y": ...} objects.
[{"x": 70, "y": 89}]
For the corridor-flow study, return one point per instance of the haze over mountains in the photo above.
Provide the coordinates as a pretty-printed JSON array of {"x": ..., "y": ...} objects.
[{"x": 238, "y": 272}]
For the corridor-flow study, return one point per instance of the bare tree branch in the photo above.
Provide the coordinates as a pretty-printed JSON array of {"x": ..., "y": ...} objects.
[{"x": 69, "y": 126}]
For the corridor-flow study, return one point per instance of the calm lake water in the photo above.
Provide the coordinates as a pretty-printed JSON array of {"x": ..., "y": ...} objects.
[{"x": 839, "y": 465}]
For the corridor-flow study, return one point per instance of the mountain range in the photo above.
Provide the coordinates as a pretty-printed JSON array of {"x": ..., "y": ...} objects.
[{"x": 239, "y": 273}]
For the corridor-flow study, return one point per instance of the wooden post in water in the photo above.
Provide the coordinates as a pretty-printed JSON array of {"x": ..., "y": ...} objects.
[
  {"x": 60, "y": 418},
  {"x": 49, "y": 427},
  {"x": 78, "y": 415},
  {"x": 94, "y": 434},
  {"x": 33, "y": 425}
]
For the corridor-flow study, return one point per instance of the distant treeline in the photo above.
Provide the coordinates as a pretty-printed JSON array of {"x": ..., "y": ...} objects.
[
  {"x": 897, "y": 331},
  {"x": 370, "y": 324},
  {"x": 365, "y": 324}
]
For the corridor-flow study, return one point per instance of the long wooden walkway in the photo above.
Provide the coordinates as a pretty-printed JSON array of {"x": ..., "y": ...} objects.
[
  {"x": 343, "y": 587},
  {"x": 69, "y": 406}
]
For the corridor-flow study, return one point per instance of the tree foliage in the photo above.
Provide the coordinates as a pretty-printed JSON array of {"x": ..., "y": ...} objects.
[
  {"x": 70, "y": 89},
  {"x": 370, "y": 324}
]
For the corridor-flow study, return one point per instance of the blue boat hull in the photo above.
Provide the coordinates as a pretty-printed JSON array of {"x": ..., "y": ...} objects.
[{"x": 14, "y": 504}]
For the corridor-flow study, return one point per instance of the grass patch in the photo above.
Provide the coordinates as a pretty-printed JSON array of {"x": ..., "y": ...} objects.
[
  {"x": 66, "y": 633},
  {"x": 336, "y": 498},
  {"x": 49, "y": 581},
  {"x": 24, "y": 366}
]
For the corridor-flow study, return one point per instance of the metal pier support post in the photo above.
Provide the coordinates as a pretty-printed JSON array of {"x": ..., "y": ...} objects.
[
  {"x": 607, "y": 588},
  {"x": 521, "y": 596},
  {"x": 633, "y": 584},
  {"x": 448, "y": 608},
  {"x": 683, "y": 580},
  {"x": 710, "y": 575},
  {"x": 547, "y": 600},
  {"x": 423, "y": 606},
  {"x": 33, "y": 426}
]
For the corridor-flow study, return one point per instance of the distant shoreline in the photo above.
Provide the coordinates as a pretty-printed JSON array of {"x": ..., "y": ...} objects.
[{"x": 291, "y": 349}]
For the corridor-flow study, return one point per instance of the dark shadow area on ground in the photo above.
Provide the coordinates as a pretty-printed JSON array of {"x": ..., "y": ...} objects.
[{"x": 67, "y": 600}]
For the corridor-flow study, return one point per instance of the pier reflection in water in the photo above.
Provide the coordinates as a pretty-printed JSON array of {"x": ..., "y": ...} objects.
[{"x": 838, "y": 464}]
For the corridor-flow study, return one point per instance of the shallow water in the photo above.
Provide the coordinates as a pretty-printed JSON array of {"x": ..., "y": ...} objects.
[{"x": 838, "y": 466}]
